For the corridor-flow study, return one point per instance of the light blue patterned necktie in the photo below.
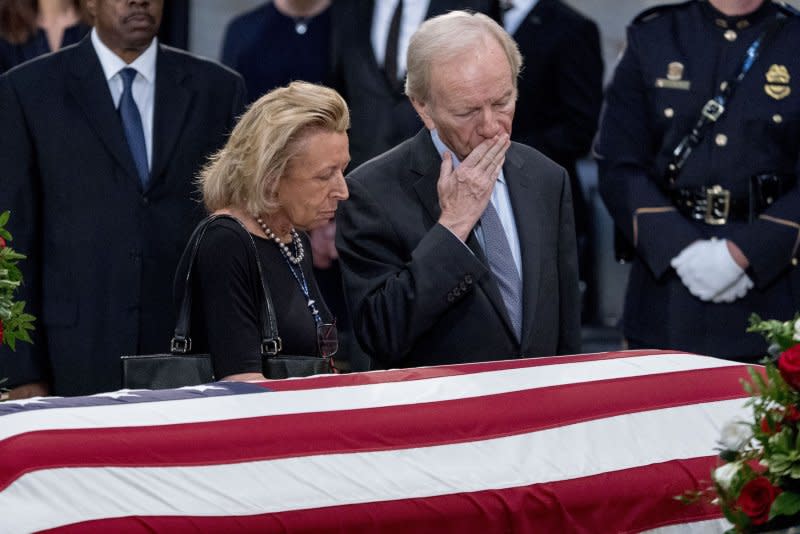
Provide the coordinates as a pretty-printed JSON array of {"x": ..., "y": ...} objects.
[
  {"x": 501, "y": 262},
  {"x": 132, "y": 124}
]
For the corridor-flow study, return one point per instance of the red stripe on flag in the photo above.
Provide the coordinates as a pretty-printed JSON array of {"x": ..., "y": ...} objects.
[
  {"x": 423, "y": 373},
  {"x": 637, "y": 499},
  {"x": 369, "y": 429}
]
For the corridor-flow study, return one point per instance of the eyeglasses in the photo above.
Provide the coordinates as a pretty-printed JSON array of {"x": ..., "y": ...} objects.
[{"x": 327, "y": 339}]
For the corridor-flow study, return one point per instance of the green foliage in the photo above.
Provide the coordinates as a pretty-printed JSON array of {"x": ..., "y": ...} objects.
[
  {"x": 784, "y": 457},
  {"x": 16, "y": 325},
  {"x": 773, "y": 447},
  {"x": 787, "y": 503},
  {"x": 778, "y": 332}
]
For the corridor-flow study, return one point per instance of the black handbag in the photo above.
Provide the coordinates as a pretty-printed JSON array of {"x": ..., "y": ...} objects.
[{"x": 182, "y": 368}]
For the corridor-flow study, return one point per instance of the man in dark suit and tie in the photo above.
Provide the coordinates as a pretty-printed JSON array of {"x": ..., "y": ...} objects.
[
  {"x": 370, "y": 38},
  {"x": 458, "y": 245},
  {"x": 560, "y": 91},
  {"x": 100, "y": 144}
]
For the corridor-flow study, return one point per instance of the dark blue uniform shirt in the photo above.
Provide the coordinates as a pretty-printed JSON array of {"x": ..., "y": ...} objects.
[{"x": 676, "y": 58}]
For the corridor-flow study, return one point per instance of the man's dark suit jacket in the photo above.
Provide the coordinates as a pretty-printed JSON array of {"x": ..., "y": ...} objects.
[
  {"x": 560, "y": 88},
  {"x": 381, "y": 116},
  {"x": 419, "y": 296},
  {"x": 101, "y": 251}
]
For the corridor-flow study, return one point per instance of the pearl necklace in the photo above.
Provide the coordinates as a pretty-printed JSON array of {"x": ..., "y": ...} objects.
[{"x": 298, "y": 245}]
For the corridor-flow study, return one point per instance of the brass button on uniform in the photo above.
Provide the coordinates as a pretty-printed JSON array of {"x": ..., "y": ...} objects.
[
  {"x": 721, "y": 140},
  {"x": 730, "y": 35},
  {"x": 794, "y": 262},
  {"x": 669, "y": 112},
  {"x": 777, "y": 118},
  {"x": 723, "y": 86}
]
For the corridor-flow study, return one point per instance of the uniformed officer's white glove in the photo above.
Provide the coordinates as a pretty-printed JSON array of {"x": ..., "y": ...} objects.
[
  {"x": 709, "y": 272},
  {"x": 735, "y": 291}
]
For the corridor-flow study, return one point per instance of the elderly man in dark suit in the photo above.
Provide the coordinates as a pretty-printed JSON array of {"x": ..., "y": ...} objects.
[
  {"x": 100, "y": 143},
  {"x": 459, "y": 245}
]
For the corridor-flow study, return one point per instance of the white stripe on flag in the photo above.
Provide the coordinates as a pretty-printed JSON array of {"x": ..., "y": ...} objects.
[
  {"x": 222, "y": 408},
  {"x": 711, "y": 526},
  {"x": 49, "y": 498}
]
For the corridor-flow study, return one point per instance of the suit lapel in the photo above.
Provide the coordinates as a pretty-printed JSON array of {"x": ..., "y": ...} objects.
[
  {"x": 364, "y": 15},
  {"x": 521, "y": 189},
  {"x": 532, "y": 21},
  {"x": 173, "y": 98},
  {"x": 426, "y": 164},
  {"x": 88, "y": 86}
]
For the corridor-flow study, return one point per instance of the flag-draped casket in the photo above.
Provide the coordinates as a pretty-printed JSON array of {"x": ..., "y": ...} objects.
[{"x": 588, "y": 443}]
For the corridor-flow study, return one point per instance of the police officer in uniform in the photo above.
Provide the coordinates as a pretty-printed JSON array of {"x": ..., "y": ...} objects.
[{"x": 698, "y": 154}]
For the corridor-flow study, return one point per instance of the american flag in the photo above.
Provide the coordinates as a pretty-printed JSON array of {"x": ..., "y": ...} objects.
[{"x": 586, "y": 443}]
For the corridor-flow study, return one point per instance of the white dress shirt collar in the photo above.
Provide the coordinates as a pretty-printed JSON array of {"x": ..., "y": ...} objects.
[
  {"x": 512, "y": 19},
  {"x": 145, "y": 64},
  {"x": 414, "y": 12},
  {"x": 144, "y": 84}
]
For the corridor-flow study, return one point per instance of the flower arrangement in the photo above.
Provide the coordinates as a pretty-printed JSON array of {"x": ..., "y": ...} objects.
[
  {"x": 757, "y": 485},
  {"x": 15, "y": 324}
]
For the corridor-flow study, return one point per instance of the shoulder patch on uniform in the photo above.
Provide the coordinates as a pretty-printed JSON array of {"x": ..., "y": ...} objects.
[{"x": 656, "y": 11}]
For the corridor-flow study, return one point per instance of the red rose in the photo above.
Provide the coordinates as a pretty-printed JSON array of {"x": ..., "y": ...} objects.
[
  {"x": 789, "y": 366},
  {"x": 792, "y": 414},
  {"x": 756, "y": 499},
  {"x": 765, "y": 426},
  {"x": 2, "y": 243}
]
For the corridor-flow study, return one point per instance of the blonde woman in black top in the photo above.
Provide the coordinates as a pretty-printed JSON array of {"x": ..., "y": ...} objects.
[{"x": 280, "y": 174}]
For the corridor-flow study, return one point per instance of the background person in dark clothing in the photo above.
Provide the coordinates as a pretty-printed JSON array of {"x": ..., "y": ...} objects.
[
  {"x": 367, "y": 34},
  {"x": 100, "y": 145},
  {"x": 30, "y": 28},
  {"x": 279, "y": 42},
  {"x": 560, "y": 93}
]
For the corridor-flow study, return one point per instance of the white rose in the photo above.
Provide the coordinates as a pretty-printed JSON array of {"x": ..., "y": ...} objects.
[
  {"x": 797, "y": 330},
  {"x": 723, "y": 475},
  {"x": 735, "y": 435}
]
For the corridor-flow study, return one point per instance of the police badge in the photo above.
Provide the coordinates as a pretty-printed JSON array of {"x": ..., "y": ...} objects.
[{"x": 777, "y": 85}]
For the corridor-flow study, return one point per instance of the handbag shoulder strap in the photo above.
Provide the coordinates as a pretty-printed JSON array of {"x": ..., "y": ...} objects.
[{"x": 181, "y": 341}]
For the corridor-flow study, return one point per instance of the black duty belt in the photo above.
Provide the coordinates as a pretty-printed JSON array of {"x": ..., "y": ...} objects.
[
  {"x": 716, "y": 206},
  {"x": 712, "y": 205}
]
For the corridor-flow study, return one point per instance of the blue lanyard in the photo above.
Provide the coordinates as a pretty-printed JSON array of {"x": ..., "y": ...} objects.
[
  {"x": 749, "y": 58},
  {"x": 715, "y": 107},
  {"x": 301, "y": 281}
]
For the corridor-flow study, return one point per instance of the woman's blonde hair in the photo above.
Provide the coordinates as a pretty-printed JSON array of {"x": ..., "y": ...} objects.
[{"x": 246, "y": 172}]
